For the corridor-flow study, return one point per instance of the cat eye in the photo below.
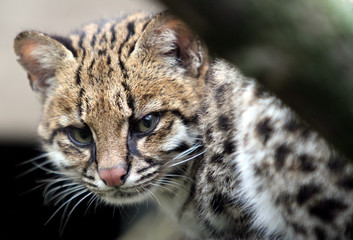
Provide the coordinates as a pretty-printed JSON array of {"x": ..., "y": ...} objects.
[
  {"x": 82, "y": 137},
  {"x": 147, "y": 123}
]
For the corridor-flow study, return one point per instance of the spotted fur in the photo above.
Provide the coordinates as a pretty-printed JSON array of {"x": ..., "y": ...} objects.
[{"x": 226, "y": 159}]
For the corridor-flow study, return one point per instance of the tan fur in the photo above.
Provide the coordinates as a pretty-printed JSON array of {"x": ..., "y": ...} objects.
[{"x": 225, "y": 159}]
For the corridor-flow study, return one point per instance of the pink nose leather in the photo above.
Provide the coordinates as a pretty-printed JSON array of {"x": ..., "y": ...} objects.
[{"x": 114, "y": 176}]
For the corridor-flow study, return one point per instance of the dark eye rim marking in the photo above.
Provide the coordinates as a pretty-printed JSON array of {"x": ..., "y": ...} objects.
[
  {"x": 139, "y": 134},
  {"x": 70, "y": 133}
]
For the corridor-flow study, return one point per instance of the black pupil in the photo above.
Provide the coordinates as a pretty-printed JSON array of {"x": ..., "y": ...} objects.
[
  {"x": 84, "y": 134},
  {"x": 147, "y": 121}
]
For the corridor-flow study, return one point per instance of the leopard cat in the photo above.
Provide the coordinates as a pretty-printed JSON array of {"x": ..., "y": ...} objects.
[{"x": 135, "y": 109}]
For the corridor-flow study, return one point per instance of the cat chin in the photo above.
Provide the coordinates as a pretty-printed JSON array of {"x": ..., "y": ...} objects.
[{"x": 115, "y": 199}]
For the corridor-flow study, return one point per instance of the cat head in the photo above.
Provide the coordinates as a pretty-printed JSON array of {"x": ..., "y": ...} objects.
[{"x": 120, "y": 101}]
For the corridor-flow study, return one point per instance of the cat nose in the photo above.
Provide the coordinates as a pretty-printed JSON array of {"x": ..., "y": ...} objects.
[{"x": 114, "y": 176}]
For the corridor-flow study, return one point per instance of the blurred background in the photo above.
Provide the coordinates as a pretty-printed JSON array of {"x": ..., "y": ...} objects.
[{"x": 25, "y": 213}]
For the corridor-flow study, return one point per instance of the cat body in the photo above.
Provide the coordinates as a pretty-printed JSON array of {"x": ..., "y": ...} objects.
[{"x": 135, "y": 109}]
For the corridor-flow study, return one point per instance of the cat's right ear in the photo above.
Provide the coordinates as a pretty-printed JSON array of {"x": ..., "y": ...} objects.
[{"x": 41, "y": 55}]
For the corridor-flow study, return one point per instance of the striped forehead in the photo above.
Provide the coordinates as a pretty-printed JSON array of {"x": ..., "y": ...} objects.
[
  {"x": 111, "y": 41},
  {"x": 102, "y": 49}
]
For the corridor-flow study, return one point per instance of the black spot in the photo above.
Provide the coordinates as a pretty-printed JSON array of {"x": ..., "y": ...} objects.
[
  {"x": 224, "y": 123},
  {"x": 347, "y": 182},
  {"x": 219, "y": 93},
  {"x": 280, "y": 155},
  {"x": 217, "y": 158},
  {"x": 292, "y": 125},
  {"x": 264, "y": 129},
  {"x": 260, "y": 91},
  {"x": 283, "y": 199},
  {"x": 335, "y": 163},
  {"x": 218, "y": 203},
  {"x": 258, "y": 170},
  {"x": 102, "y": 52},
  {"x": 320, "y": 233},
  {"x": 327, "y": 209},
  {"x": 306, "y": 164},
  {"x": 208, "y": 135},
  {"x": 210, "y": 178},
  {"x": 131, "y": 29},
  {"x": 229, "y": 146},
  {"x": 306, "y": 192},
  {"x": 300, "y": 229}
]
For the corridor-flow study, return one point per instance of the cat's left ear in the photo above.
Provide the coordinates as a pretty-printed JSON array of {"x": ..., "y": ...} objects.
[
  {"x": 171, "y": 38},
  {"x": 41, "y": 56}
]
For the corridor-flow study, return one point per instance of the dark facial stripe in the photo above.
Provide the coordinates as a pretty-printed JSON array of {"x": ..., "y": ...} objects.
[
  {"x": 79, "y": 101},
  {"x": 54, "y": 133},
  {"x": 131, "y": 31},
  {"x": 78, "y": 75},
  {"x": 113, "y": 37},
  {"x": 144, "y": 169},
  {"x": 147, "y": 176},
  {"x": 132, "y": 146},
  {"x": 94, "y": 38},
  {"x": 186, "y": 120},
  {"x": 82, "y": 37}
]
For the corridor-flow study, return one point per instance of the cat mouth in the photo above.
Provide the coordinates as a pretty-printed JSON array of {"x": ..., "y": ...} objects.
[{"x": 122, "y": 195}]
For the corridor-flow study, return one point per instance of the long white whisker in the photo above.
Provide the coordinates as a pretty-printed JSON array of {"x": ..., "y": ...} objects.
[
  {"x": 73, "y": 208},
  {"x": 90, "y": 202},
  {"x": 43, "y": 155},
  {"x": 188, "y": 151},
  {"x": 157, "y": 185},
  {"x": 188, "y": 159},
  {"x": 47, "y": 169},
  {"x": 37, "y": 165},
  {"x": 64, "y": 204},
  {"x": 152, "y": 194},
  {"x": 50, "y": 197},
  {"x": 66, "y": 193},
  {"x": 179, "y": 186}
]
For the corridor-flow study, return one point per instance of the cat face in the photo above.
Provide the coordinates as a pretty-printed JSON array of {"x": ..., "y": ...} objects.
[{"x": 120, "y": 102}]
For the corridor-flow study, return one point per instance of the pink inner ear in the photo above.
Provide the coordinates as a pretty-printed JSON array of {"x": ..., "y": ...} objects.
[{"x": 28, "y": 61}]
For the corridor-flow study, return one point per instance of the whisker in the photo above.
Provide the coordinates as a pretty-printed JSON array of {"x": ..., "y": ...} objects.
[
  {"x": 157, "y": 185},
  {"x": 179, "y": 186},
  {"x": 152, "y": 194},
  {"x": 177, "y": 176},
  {"x": 62, "y": 195},
  {"x": 32, "y": 189},
  {"x": 43, "y": 155},
  {"x": 188, "y": 159},
  {"x": 47, "y": 169},
  {"x": 90, "y": 202},
  {"x": 64, "y": 204},
  {"x": 50, "y": 196},
  {"x": 72, "y": 210},
  {"x": 37, "y": 166},
  {"x": 188, "y": 151}
]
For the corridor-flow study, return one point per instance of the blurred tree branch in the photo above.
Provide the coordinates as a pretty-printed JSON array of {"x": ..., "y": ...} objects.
[{"x": 302, "y": 50}]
